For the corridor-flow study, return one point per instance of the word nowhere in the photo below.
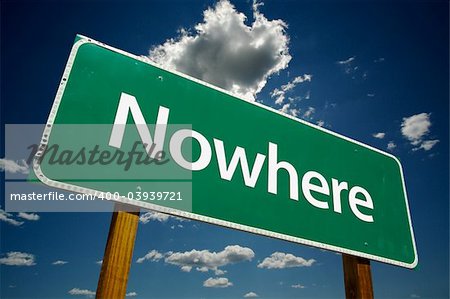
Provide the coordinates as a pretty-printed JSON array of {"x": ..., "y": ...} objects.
[{"x": 311, "y": 181}]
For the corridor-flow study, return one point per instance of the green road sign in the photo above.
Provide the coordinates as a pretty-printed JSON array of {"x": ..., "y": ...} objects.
[{"x": 158, "y": 139}]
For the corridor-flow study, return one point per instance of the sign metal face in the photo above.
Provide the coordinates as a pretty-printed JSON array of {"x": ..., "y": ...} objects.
[{"x": 165, "y": 141}]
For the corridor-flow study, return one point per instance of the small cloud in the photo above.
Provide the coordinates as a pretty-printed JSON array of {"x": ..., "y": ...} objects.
[
  {"x": 378, "y": 60},
  {"x": 379, "y": 135},
  {"x": 346, "y": 61},
  {"x": 298, "y": 286},
  {"x": 152, "y": 256},
  {"x": 320, "y": 123},
  {"x": 16, "y": 258},
  {"x": 427, "y": 145},
  {"x": 100, "y": 262},
  {"x": 83, "y": 292},
  {"x": 370, "y": 95},
  {"x": 14, "y": 166},
  {"x": 155, "y": 216},
  {"x": 219, "y": 282},
  {"x": 391, "y": 146},
  {"x": 8, "y": 218},
  {"x": 219, "y": 272},
  {"x": 59, "y": 262},
  {"x": 29, "y": 216},
  {"x": 414, "y": 296},
  {"x": 309, "y": 112},
  {"x": 251, "y": 295},
  {"x": 288, "y": 110},
  {"x": 280, "y": 93},
  {"x": 280, "y": 260},
  {"x": 415, "y": 127},
  {"x": 131, "y": 294}
]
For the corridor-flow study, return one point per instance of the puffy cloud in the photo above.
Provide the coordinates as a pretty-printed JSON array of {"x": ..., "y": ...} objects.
[
  {"x": 280, "y": 94},
  {"x": 7, "y": 217},
  {"x": 77, "y": 291},
  {"x": 220, "y": 282},
  {"x": 204, "y": 260},
  {"x": 16, "y": 258},
  {"x": 280, "y": 260},
  {"x": 29, "y": 216},
  {"x": 59, "y": 262},
  {"x": 226, "y": 52},
  {"x": 14, "y": 166},
  {"x": 251, "y": 295},
  {"x": 415, "y": 128},
  {"x": 391, "y": 145},
  {"x": 155, "y": 216},
  {"x": 379, "y": 135},
  {"x": 152, "y": 256}
]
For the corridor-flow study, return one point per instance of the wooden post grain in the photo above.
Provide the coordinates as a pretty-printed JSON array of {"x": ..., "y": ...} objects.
[
  {"x": 118, "y": 253},
  {"x": 357, "y": 277}
]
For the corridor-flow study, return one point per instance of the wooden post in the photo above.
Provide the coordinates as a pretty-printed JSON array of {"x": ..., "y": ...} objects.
[
  {"x": 357, "y": 277},
  {"x": 118, "y": 253}
]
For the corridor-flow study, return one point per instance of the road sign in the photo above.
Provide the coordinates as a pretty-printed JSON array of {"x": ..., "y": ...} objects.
[{"x": 211, "y": 156}]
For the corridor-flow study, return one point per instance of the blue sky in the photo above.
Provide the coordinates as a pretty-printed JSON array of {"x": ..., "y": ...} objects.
[{"x": 375, "y": 71}]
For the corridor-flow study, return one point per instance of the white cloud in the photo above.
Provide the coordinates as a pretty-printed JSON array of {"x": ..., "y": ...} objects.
[
  {"x": 14, "y": 166},
  {"x": 152, "y": 256},
  {"x": 415, "y": 127},
  {"x": 280, "y": 260},
  {"x": 100, "y": 262},
  {"x": 280, "y": 94},
  {"x": 251, "y": 295},
  {"x": 59, "y": 262},
  {"x": 320, "y": 123},
  {"x": 220, "y": 282},
  {"x": 309, "y": 112},
  {"x": 7, "y": 217},
  {"x": 427, "y": 145},
  {"x": 378, "y": 60},
  {"x": 370, "y": 95},
  {"x": 227, "y": 52},
  {"x": 155, "y": 216},
  {"x": 29, "y": 216},
  {"x": 379, "y": 135},
  {"x": 160, "y": 217},
  {"x": 77, "y": 291},
  {"x": 131, "y": 294},
  {"x": 298, "y": 286},
  {"x": 15, "y": 258},
  {"x": 391, "y": 145},
  {"x": 204, "y": 260},
  {"x": 288, "y": 110},
  {"x": 346, "y": 61}
]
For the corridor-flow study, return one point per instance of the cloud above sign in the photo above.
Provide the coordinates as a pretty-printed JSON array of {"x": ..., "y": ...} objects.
[{"x": 228, "y": 53}]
